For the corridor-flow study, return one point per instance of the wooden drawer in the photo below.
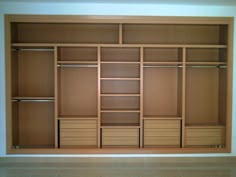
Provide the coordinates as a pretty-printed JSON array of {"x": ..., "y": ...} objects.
[
  {"x": 120, "y": 137},
  {"x": 66, "y": 133},
  {"x": 162, "y": 133},
  {"x": 78, "y": 141},
  {"x": 163, "y": 124},
  {"x": 205, "y": 136},
  {"x": 162, "y": 141},
  {"x": 78, "y": 124},
  {"x": 75, "y": 133}
]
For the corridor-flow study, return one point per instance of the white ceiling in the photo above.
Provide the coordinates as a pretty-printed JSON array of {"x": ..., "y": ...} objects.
[{"x": 169, "y": 2}]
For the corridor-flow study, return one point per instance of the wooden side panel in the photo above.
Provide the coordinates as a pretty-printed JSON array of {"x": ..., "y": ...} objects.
[{"x": 123, "y": 137}]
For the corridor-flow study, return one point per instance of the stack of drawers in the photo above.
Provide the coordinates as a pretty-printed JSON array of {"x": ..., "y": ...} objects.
[{"x": 78, "y": 133}]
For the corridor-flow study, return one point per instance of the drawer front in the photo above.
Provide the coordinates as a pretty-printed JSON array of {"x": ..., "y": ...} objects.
[
  {"x": 78, "y": 141},
  {"x": 162, "y": 133},
  {"x": 162, "y": 141},
  {"x": 163, "y": 124},
  {"x": 120, "y": 137},
  {"x": 67, "y": 133},
  {"x": 204, "y": 136},
  {"x": 75, "y": 133},
  {"x": 78, "y": 124}
]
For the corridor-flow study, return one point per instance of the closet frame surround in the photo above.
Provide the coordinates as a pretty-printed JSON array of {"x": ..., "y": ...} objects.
[{"x": 118, "y": 84}]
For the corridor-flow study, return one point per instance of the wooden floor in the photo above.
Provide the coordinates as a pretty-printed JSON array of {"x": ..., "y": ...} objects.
[{"x": 118, "y": 167}]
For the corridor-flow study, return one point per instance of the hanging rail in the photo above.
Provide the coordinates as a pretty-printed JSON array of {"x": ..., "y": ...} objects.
[
  {"x": 32, "y": 100},
  {"x": 188, "y": 66},
  {"x": 34, "y": 49}
]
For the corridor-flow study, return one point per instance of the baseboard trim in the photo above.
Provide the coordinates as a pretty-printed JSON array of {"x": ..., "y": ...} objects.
[{"x": 114, "y": 160}]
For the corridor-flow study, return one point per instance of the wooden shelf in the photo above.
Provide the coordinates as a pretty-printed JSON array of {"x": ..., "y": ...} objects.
[
  {"x": 115, "y": 78},
  {"x": 120, "y": 125},
  {"x": 123, "y": 95},
  {"x": 162, "y": 117},
  {"x": 119, "y": 62},
  {"x": 162, "y": 63},
  {"x": 120, "y": 110},
  {"x": 77, "y": 118},
  {"x": 33, "y": 98},
  {"x": 203, "y": 125},
  {"x": 77, "y": 62},
  {"x": 206, "y": 63},
  {"x": 119, "y": 45}
]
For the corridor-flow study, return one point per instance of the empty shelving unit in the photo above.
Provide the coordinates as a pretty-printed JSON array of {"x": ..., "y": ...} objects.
[{"x": 125, "y": 84}]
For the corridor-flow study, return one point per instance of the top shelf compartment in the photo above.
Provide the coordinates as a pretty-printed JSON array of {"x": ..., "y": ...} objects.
[
  {"x": 120, "y": 54},
  {"x": 174, "y": 34},
  {"x": 65, "y": 33}
]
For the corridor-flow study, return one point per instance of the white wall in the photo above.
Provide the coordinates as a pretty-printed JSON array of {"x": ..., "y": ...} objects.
[{"x": 104, "y": 9}]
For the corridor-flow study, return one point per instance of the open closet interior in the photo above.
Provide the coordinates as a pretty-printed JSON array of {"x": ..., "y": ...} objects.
[{"x": 119, "y": 84}]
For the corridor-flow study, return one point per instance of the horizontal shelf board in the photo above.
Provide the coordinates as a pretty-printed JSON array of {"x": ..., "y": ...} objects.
[
  {"x": 120, "y": 125},
  {"x": 119, "y": 62},
  {"x": 162, "y": 117},
  {"x": 204, "y": 125},
  {"x": 33, "y": 98},
  {"x": 33, "y": 45},
  {"x": 77, "y": 65},
  {"x": 120, "y": 45},
  {"x": 206, "y": 63},
  {"x": 34, "y": 147},
  {"x": 124, "y": 95},
  {"x": 120, "y": 78},
  {"x": 116, "y": 150},
  {"x": 119, "y": 110},
  {"x": 162, "y": 63},
  {"x": 77, "y": 62},
  {"x": 77, "y": 118}
]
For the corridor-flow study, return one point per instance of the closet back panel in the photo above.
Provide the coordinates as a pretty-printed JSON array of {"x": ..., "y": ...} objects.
[
  {"x": 36, "y": 124},
  {"x": 171, "y": 34},
  {"x": 34, "y": 74},
  {"x": 202, "y": 96},
  {"x": 160, "y": 96},
  {"x": 67, "y": 33},
  {"x": 78, "y": 91}
]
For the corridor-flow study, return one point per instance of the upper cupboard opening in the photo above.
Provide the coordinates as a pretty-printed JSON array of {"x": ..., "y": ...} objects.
[
  {"x": 105, "y": 33},
  {"x": 65, "y": 33},
  {"x": 174, "y": 34}
]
